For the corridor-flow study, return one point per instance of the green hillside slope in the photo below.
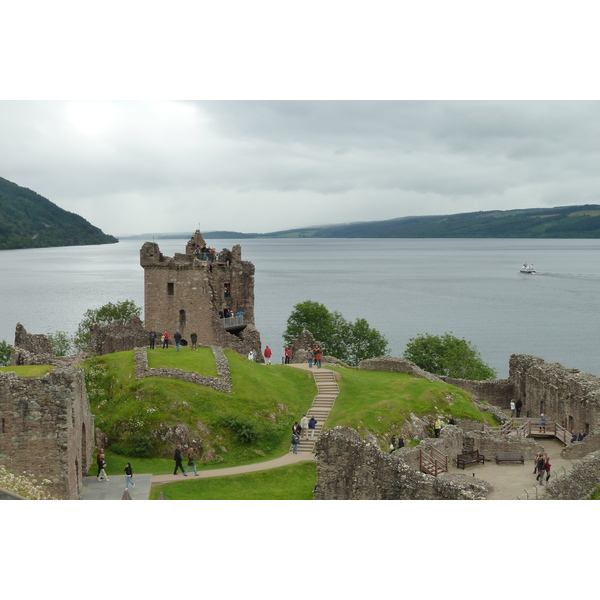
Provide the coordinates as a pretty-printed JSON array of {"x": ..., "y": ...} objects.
[
  {"x": 558, "y": 222},
  {"x": 28, "y": 220}
]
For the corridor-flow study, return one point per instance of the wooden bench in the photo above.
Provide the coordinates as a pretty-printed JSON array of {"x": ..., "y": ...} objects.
[
  {"x": 509, "y": 457},
  {"x": 466, "y": 458}
]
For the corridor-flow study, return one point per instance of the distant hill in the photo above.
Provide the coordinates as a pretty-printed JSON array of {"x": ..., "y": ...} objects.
[
  {"x": 28, "y": 220},
  {"x": 582, "y": 221},
  {"x": 559, "y": 222}
]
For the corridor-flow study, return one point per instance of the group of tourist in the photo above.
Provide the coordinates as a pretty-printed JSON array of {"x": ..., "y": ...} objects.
[
  {"x": 396, "y": 443},
  {"x": 515, "y": 408},
  {"x": 541, "y": 467},
  {"x": 205, "y": 253},
  {"x": 166, "y": 338},
  {"x": 298, "y": 429},
  {"x": 191, "y": 461},
  {"x": 101, "y": 476},
  {"x": 315, "y": 354},
  {"x": 227, "y": 313}
]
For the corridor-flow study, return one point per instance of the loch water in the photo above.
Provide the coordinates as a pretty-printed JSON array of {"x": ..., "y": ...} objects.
[{"x": 402, "y": 287}]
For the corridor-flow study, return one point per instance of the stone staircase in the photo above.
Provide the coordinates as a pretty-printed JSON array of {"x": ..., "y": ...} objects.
[{"x": 327, "y": 392}]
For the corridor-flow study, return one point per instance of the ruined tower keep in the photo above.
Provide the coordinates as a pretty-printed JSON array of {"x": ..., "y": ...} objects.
[{"x": 200, "y": 291}]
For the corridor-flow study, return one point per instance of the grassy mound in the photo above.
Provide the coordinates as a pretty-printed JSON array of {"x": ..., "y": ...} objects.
[
  {"x": 381, "y": 402},
  {"x": 145, "y": 418}
]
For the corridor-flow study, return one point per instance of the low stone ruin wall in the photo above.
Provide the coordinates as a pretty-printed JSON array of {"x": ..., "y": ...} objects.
[
  {"x": 580, "y": 482},
  {"x": 489, "y": 444},
  {"x": 349, "y": 468},
  {"x": 222, "y": 383}
]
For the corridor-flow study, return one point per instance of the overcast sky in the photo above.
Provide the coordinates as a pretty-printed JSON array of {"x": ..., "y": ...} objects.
[{"x": 134, "y": 167}]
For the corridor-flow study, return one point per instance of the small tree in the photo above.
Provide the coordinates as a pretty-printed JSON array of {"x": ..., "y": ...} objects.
[
  {"x": 121, "y": 311},
  {"x": 61, "y": 342},
  {"x": 448, "y": 355},
  {"x": 350, "y": 342},
  {"x": 364, "y": 342},
  {"x": 5, "y": 350}
]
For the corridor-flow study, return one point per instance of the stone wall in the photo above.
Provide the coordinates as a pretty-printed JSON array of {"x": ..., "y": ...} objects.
[
  {"x": 117, "y": 336},
  {"x": 579, "y": 483},
  {"x": 46, "y": 428},
  {"x": 564, "y": 395},
  {"x": 349, "y": 468}
]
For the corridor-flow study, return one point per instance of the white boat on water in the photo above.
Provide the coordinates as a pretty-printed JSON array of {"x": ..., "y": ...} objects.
[{"x": 528, "y": 269}]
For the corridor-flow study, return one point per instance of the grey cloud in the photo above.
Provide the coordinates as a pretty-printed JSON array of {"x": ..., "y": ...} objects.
[{"x": 262, "y": 166}]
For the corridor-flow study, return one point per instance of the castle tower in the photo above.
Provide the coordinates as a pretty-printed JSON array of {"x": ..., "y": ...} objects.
[{"x": 202, "y": 291}]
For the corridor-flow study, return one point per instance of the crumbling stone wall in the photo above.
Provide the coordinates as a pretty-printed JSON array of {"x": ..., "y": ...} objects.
[
  {"x": 349, "y": 468},
  {"x": 565, "y": 395},
  {"x": 397, "y": 365},
  {"x": 489, "y": 444},
  {"x": 117, "y": 336},
  {"x": 185, "y": 294},
  {"x": 580, "y": 481},
  {"x": 46, "y": 428}
]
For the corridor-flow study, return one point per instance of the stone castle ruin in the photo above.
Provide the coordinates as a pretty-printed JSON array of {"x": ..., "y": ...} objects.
[{"x": 203, "y": 291}]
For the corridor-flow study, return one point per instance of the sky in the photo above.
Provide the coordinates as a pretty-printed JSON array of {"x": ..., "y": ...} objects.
[
  {"x": 254, "y": 117},
  {"x": 134, "y": 167}
]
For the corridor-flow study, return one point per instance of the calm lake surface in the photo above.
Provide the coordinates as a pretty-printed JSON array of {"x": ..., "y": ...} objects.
[{"x": 402, "y": 287}]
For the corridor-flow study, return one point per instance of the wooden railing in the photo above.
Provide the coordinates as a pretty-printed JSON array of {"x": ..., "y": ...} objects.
[{"x": 433, "y": 462}]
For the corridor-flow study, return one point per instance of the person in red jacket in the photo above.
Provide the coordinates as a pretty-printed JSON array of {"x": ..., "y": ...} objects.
[{"x": 267, "y": 354}]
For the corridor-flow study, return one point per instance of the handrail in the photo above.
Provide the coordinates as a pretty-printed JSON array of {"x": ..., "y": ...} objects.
[
  {"x": 232, "y": 321},
  {"x": 435, "y": 463}
]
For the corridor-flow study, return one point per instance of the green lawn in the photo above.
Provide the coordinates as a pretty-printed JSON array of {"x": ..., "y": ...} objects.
[
  {"x": 381, "y": 401},
  {"x": 28, "y": 371},
  {"x": 293, "y": 482},
  {"x": 201, "y": 361}
]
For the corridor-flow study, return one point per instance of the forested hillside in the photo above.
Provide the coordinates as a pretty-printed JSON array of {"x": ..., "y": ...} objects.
[
  {"x": 28, "y": 220},
  {"x": 560, "y": 222}
]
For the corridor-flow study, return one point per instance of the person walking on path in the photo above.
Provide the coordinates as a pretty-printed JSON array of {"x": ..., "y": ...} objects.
[
  {"x": 99, "y": 461},
  {"x": 177, "y": 458},
  {"x": 152, "y": 339},
  {"x": 304, "y": 426},
  {"x": 518, "y": 406},
  {"x": 296, "y": 428},
  {"x": 513, "y": 408},
  {"x": 128, "y": 476},
  {"x": 191, "y": 463},
  {"x": 295, "y": 442},
  {"x": 177, "y": 338},
  {"x": 310, "y": 355},
  {"x": 267, "y": 354},
  {"x": 287, "y": 353},
  {"x": 194, "y": 338},
  {"x": 547, "y": 469},
  {"x": 542, "y": 423},
  {"x": 165, "y": 340},
  {"x": 102, "y": 474},
  {"x": 437, "y": 426},
  {"x": 312, "y": 424},
  {"x": 541, "y": 468},
  {"x": 535, "y": 461}
]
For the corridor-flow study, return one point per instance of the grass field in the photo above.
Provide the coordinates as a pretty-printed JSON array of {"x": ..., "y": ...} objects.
[{"x": 293, "y": 482}]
